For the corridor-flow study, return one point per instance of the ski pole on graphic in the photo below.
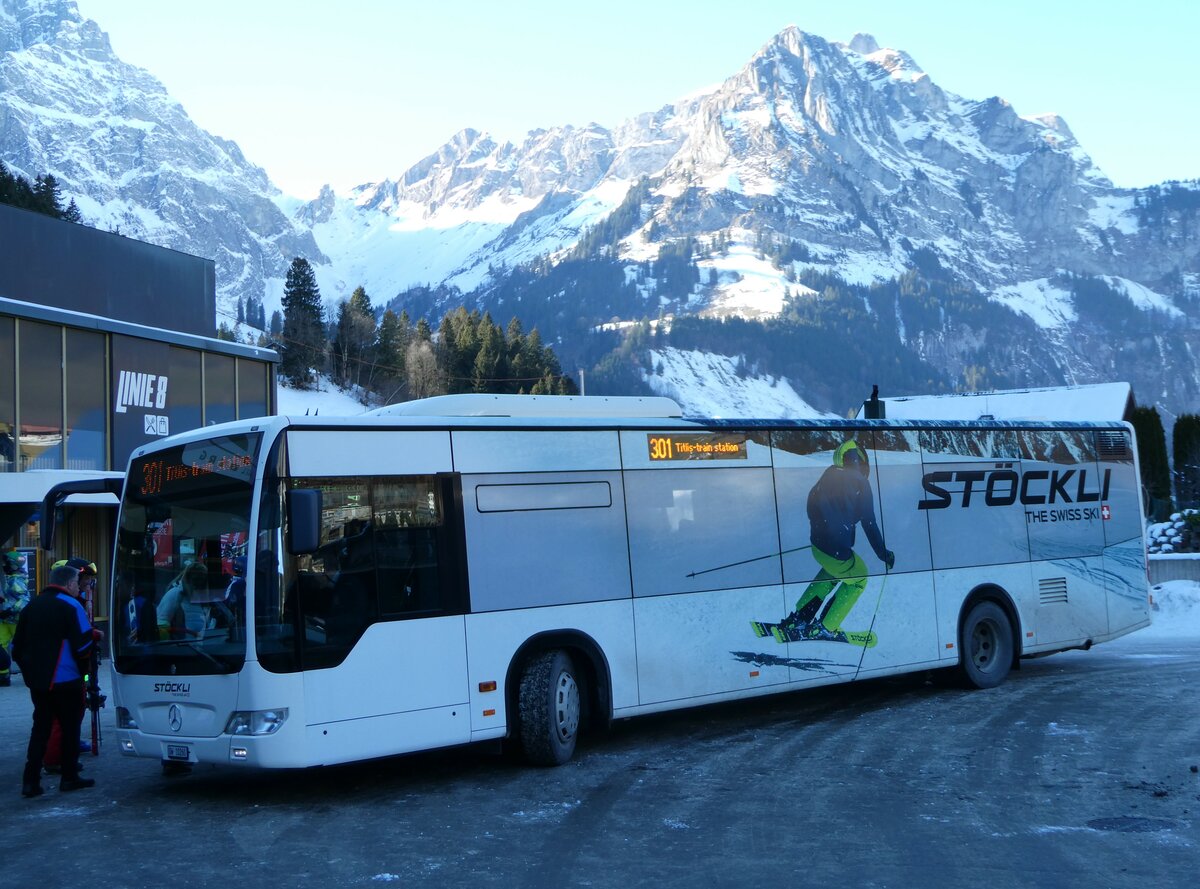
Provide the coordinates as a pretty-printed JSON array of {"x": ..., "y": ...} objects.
[{"x": 784, "y": 552}]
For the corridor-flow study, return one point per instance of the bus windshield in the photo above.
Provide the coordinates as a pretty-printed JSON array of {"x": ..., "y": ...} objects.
[{"x": 179, "y": 590}]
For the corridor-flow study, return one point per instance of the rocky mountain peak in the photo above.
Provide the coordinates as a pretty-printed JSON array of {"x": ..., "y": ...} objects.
[
  {"x": 26, "y": 23},
  {"x": 863, "y": 44}
]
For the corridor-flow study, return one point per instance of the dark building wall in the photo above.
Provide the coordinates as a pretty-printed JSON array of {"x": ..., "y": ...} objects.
[{"x": 68, "y": 266}]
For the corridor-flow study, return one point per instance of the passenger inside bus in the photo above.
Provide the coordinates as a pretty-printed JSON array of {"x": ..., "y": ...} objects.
[{"x": 179, "y": 617}]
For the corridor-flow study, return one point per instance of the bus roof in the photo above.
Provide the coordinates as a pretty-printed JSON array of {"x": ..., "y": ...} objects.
[{"x": 483, "y": 405}]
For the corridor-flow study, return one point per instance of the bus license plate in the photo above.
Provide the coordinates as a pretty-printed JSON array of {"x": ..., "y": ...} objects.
[{"x": 178, "y": 751}]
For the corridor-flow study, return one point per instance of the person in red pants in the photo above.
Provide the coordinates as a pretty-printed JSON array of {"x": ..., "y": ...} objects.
[{"x": 53, "y": 636}]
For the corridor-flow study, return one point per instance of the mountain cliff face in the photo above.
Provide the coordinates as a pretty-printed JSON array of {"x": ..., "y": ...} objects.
[
  {"x": 980, "y": 247},
  {"x": 129, "y": 154}
]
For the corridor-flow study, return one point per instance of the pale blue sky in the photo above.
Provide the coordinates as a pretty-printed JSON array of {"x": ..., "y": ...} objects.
[{"x": 355, "y": 91}]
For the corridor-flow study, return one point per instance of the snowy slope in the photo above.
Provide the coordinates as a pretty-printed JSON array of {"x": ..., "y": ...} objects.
[{"x": 708, "y": 385}]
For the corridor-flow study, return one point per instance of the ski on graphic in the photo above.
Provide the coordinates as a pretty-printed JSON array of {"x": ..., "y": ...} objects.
[{"x": 781, "y": 633}]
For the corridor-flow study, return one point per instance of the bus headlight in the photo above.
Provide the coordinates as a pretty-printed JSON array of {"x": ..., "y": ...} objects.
[
  {"x": 256, "y": 722},
  {"x": 125, "y": 719}
]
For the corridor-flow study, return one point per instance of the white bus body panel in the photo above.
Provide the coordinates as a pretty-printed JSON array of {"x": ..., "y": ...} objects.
[
  {"x": 401, "y": 688},
  {"x": 323, "y": 453},
  {"x": 700, "y": 644},
  {"x": 954, "y": 585},
  {"x": 494, "y": 638},
  {"x": 904, "y": 606},
  {"x": 1125, "y": 587}
]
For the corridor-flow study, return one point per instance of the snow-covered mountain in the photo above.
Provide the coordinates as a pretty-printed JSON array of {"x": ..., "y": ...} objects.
[
  {"x": 129, "y": 155},
  {"x": 816, "y": 161}
]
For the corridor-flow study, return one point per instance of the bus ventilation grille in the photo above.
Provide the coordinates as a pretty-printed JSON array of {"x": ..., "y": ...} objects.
[
  {"x": 1053, "y": 590},
  {"x": 1112, "y": 444}
]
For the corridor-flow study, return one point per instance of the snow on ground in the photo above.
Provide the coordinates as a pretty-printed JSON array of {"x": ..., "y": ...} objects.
[
  {"x": 1048, "y": 306},
  {"x": 325, "y": 401},
  {"x": 1176, "y": 611},
  {"x": 1115, "y": 211},
  {"x": 748, "y": 286},
  {"x": 1142, "y": 297},
  {"x": 1091, "y": 401},
  {"x": 708, "y": 385}
]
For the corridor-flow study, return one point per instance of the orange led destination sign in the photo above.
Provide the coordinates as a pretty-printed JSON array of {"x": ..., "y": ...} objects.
[{"x": 696, "y": 446}]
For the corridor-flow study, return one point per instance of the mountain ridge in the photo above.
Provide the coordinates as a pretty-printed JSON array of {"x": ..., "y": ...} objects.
[{"x": 815, "y": 158}]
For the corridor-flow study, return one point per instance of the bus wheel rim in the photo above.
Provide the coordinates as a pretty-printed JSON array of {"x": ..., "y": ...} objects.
[
  {"x": 983, "y": 645},
  {"x": 566, "y": 706}
]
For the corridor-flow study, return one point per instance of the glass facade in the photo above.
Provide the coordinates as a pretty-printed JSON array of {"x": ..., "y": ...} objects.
[
  {"x": 40, "y": 396},
  {"x": 187, "y": 393},
  {"x": 78, "y": 399},
  {"x": 220, "y": 389},
  {"x": 252, "y": 388},
  {"x": 87, "y": 414},
  {"x": 8, "y": 395}
]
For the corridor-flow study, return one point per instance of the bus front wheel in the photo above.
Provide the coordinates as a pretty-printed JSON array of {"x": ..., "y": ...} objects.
[
  {"x": 550, "y": 707},
  {"x": 985, "y": 646}
]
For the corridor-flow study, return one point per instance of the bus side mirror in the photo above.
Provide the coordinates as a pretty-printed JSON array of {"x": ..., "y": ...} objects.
[{"x": 303, "y": 521}]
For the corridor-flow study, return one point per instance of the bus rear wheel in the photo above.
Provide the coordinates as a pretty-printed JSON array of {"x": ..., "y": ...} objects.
[
  {"x": 985, "y": 646},
  {"x": 550, "y": 708}
]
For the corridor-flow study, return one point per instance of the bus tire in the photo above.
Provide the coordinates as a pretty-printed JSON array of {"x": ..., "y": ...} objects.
[
  {"x": 549, "y": 708},
  {"x": 985, "y": 646}
]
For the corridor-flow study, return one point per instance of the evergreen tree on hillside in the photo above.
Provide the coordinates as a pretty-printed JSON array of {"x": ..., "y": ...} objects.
[
  {"x": 354, "y": 339},
  {"x": 1152, "y": 459},
  {"x": 43, "y": 195},
  {"x": 47, "y": 196},
  {"x": 1185, "y": 445},
  {"x": 395, "y": 333},
  {"x": 302, "y": 355},
  {"x": 490, "y": 366}
]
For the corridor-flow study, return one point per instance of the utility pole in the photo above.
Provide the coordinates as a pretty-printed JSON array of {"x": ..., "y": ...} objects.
[{"x": 582, "y": 383}]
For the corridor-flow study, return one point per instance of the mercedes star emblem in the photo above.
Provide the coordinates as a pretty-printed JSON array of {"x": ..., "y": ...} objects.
[{"x": 175, "y": 718}]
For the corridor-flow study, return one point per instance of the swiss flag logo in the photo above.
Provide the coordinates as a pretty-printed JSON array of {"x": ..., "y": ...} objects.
[{"x": 1105, "y": 512}]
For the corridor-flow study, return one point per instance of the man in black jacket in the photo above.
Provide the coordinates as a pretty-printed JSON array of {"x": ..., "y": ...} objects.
[{"x": 53, "y": 637}]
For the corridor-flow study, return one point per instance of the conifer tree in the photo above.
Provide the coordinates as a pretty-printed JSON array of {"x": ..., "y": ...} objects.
[
  {"x": 303, "y": 349},
  {"x": 489, "y": 368},
  {"x": 1152, "y": 458},
  {"x": 354, "y": 341},
  {"x": 1185, "y": 445},
  {"x": 395, "y": 333}
]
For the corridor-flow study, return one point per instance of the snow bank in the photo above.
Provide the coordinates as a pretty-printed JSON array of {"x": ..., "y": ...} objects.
[
  {"x": 1176, "y": 611},
  {"x": 325, "y": 400}
]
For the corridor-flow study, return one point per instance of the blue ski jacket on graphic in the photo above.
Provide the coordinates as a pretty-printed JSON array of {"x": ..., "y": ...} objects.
[
  {"x": 841, "y": 499},
  {"x": 53, "y": 635}
]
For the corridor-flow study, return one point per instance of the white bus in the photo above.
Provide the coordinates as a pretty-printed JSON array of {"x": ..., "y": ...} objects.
[{"x": 297, "y": 591}]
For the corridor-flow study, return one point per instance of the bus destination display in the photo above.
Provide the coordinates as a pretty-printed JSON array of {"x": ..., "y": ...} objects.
[
  {"x": 191, "y": 466},
  {"x": 696, "y": 446}
]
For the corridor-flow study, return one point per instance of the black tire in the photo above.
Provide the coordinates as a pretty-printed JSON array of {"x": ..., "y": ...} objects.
[
  {"x": 985, "y": 646},
  {"x": 550, "y": 709}
]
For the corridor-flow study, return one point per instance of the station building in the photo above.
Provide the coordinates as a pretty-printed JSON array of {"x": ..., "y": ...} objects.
[{"x": 106, "y": 343}]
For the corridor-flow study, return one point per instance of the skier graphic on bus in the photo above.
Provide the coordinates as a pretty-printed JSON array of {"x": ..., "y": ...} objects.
[{"x": 840, "y": 500}]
